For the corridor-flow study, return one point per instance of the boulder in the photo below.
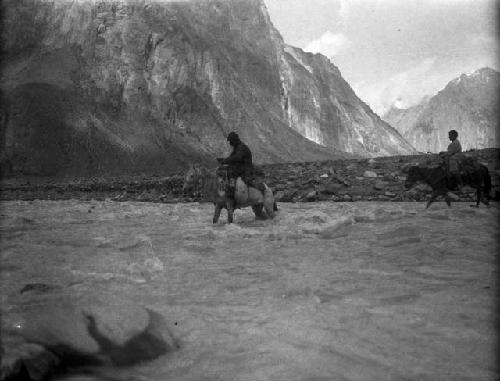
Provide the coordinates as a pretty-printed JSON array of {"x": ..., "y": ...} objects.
[
  {"x": 279, "y": 195},
  {"x": 330, "y": 188},
  {"x": 379, "y": 185},
  {"x": 311, "y": 196},
  {"x": 370, "y": 174},
  {"x": 89, "y": 330},
  {"x": 337, "y": 229},
  {"x": 22, "y": 360},
  {"x": 289, "y": 195}
]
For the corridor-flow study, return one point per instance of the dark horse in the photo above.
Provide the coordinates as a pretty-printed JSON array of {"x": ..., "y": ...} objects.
[{"x": 477, "y": 177}]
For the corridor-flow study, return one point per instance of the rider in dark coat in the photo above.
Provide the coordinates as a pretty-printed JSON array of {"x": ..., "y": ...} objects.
[
  {"x": 454, "y": 149},
  {"x": 240, "y": 160},
  {"x": 239, "y": 163}
]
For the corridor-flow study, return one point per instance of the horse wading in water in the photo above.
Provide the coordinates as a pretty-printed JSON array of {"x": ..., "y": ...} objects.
[
  {"x": 213, "y": 186},
  {"x": 475, "y": 174}
]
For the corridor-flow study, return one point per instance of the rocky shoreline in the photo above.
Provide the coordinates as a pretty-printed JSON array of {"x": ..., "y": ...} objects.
[{"x": 376, "y": 179}]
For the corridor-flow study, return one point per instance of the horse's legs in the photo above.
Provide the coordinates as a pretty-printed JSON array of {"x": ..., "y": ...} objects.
[
  {"x": 478, "y": 195},
  {"x": 230, "y": 211},
  {"x": 217, "y": 211},
  {"x": 432, "y": 199},
  {"x": 486, "y": 199},
  {"x": 257, "y": 209},
  {"x": 447, "y": 199}
]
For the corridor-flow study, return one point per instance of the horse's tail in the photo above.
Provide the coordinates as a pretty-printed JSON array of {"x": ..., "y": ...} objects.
[{"x": 275, "y": 204}]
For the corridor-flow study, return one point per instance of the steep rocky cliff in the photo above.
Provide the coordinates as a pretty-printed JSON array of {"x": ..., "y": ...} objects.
[
  {"x": 321, "y": 106},
  {"x": 468, "y": 104},
  {"x": 147, "y": 86}
]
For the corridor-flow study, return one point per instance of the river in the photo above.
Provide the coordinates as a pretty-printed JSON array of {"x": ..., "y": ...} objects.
[{"x": 325, "y": 291}]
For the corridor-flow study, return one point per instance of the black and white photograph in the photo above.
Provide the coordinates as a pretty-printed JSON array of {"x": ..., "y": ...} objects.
[{"x": 249, "y": 190}]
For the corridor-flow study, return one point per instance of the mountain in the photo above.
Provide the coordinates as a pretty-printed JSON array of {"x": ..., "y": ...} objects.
[
  {"x": 102, "y": 87},
  {"x": 321, "y": 105},
  {"x": 468, "y": 104}
]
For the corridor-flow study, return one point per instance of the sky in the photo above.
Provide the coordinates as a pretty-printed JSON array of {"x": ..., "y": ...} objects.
[{"x": 393, "y": 52}]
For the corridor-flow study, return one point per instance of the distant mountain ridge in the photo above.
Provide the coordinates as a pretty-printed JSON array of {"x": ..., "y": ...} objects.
[
  {"x": 147, "y": 87},
  {"x": 468, "y": 104}
]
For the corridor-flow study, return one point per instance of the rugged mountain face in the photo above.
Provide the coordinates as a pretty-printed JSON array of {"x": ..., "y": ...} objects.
[
  {"x": 468, "y": 104},
  {"x": 322, "y": 106},
  {"x": 147, "y": 86}
]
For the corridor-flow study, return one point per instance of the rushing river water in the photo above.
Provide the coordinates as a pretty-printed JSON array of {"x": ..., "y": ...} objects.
[{"x": 325, "y": 291}]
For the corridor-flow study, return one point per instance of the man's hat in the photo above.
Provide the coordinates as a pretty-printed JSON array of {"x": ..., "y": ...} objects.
[{"x": 233, "y": 137}]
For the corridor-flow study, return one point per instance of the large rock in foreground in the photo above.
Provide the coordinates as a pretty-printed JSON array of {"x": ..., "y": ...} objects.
[{"x": 93, "y": 331}]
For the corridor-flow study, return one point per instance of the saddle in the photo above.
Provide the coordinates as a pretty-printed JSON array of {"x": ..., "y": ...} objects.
[
  {"x": 252, "y": 178},
  {"x": 466, "y": 165}
]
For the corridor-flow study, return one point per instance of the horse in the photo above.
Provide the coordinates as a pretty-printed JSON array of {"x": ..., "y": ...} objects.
[
  {"x": 477, "y": 176},
  {"x": 213, "y": 186}
]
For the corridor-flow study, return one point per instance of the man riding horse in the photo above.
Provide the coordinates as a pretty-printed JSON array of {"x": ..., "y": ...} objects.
[
  {"x": 239, "y": 164},
  {"x": 455, "y": 170},
  {"x": 453, "y": 159}
]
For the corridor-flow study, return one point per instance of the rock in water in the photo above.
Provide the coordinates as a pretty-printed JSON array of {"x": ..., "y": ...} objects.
[
  {"x": 25, "y": 361},
  {"x": 370, "y": 174},
  {"x": 91, "y": 331}
]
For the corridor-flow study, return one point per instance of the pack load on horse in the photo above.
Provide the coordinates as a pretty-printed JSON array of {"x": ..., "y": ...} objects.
[
  {"x": 235, "y": 184},
  {"x": 468, "y": 171},
  {"x": 236, "y": 194}
]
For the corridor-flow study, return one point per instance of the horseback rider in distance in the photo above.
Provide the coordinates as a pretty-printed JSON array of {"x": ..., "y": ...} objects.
[
  {"x": 239, "y": 162},
  {"x": 452, "y": 158}
]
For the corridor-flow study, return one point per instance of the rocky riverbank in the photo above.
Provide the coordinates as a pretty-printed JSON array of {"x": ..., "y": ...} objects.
[{"x": 379, "y": 179}]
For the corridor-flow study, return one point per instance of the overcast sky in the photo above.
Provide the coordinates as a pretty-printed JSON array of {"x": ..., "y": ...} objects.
[{"x": 393, "y": 51}]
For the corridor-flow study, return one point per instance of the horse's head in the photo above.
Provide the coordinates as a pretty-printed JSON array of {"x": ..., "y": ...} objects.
[
  {"x": 221, "y": 180},
  {"x": 413, "y": 176},
  {"x": 190, "y": 179},
  {"x": 201, "y": 182}
]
